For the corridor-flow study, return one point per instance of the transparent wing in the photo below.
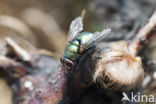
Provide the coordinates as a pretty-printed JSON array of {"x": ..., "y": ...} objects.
[
  {"x": 75, "y": 27},
  {"x": 97, "y": 36}
]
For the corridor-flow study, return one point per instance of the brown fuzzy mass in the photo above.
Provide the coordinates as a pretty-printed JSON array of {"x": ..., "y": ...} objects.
[{"x": 117, "y": 68}]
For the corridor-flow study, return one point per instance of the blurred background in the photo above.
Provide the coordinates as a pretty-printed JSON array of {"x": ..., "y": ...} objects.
[{"x": 44, "y": 23}]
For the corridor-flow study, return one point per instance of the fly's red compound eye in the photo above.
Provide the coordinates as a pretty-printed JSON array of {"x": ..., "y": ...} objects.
[
  {"x": 66, "y": 62},
  {"x": 69, "y": 62}
]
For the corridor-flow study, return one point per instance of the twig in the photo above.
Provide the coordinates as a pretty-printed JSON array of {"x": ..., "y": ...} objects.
[
  {"x": 143, "y": 35},
  {"x": 18, "y": 50}
]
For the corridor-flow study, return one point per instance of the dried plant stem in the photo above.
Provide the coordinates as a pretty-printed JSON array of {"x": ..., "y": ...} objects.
[{"x": 143, "y": 35}]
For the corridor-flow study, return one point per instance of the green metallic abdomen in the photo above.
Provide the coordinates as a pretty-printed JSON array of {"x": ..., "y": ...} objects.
[{"x": 71, "y": 51}]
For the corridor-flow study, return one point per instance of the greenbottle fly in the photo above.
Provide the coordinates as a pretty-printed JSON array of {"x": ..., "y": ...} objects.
[{"x": 78, "y": 42}]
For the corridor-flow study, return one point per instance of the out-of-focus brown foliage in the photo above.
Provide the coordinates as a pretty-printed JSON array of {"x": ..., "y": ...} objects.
[{"x": 6, "y": 93}]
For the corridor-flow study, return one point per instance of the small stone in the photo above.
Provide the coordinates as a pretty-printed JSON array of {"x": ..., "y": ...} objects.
[{"x": 28, "y": 85}]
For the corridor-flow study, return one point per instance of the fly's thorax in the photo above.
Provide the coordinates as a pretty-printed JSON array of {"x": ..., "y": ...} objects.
[{"x": 84, "y": 39}]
